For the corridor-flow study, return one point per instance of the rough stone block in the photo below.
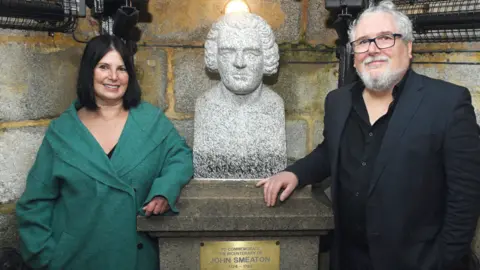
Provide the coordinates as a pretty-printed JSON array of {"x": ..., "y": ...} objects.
[
  {"x": 185, "y": 128},
  {"x": 36, "y": 82},
  {"x": 318, "y": 133},
  {"x": 180, "y": 21},
  {"x": 151, "y": 66},
  {"x": 284, "y": 16},
  {"x": 476, "y": 241},
  {"x": 296, "y": 139},
  {"x": 8, "y": 231},
  {"x": 20, "y": 33},
  {"x": 87, "y": 27},
  {"x": 476, "y": 103},
  {"x": 191, "y": 78},
  {"x": 18, "y": 148},
  {"x": 317, "y": 31},
  {"x": 433, "y": 71},
  {"x": 303, "y": 87},
  {"x": 189, "y": 21},
  {"x": 464, "y": 75},
  {"x": 40, "y": 82}
]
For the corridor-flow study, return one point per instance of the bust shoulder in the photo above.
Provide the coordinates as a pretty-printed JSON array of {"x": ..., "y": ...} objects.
[
  {"x": 271, "y": 97},
  {"x": 208, "y": 96}
]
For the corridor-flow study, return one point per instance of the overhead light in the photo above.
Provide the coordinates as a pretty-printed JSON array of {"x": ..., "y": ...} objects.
[{"x": 236, "y": 6}]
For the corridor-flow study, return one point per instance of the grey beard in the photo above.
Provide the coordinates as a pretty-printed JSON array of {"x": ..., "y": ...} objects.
[{"x": 386, "y": 81}]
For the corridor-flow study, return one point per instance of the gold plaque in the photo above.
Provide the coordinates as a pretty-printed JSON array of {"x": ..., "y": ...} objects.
[{"x": 252, "y": 255}]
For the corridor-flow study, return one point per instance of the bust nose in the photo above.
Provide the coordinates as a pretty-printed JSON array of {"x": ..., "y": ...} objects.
[{"x": 239, "y": 60}]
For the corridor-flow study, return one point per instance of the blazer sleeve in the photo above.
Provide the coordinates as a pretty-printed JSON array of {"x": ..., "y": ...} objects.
[
  {"x": 176, "y": 172},
  {"x": 462, "y": 168},
  {"x": 34, "y": 210},
  {"x": 315, "y": 167}
]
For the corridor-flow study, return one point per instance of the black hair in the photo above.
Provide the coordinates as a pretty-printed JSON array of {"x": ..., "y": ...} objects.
[
  {"x": 10, "y": 259},
  {"x": 95, "y": 50}
]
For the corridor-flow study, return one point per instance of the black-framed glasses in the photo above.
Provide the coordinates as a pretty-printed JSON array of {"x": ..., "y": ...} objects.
[{"x": 382, "y": 42}]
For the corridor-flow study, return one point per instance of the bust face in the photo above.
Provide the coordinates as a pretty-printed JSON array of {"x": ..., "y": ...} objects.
[{"x": 240, "y": 59}]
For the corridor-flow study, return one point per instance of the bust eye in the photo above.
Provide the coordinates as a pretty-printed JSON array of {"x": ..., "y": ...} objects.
[
  {"x": 254, "y": 52},
  {"x": 226, "y": 51}
]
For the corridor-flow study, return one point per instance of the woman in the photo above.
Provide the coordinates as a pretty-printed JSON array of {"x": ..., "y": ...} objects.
[{"x": 105, "y": 160}]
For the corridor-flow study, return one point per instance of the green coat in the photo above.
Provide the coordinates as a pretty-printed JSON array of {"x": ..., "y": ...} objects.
[{"x": 79, "y": 208}]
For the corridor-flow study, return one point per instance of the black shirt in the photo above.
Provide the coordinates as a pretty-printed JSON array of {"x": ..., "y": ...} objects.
[
  {"x": 109, "y": 155},
  {"x": 359, "y": 147}
]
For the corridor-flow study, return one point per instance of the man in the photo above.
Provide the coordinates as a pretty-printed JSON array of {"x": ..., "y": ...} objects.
[
  {"x": 240, "y": 123},
  {"x": 403, "y": 151}
]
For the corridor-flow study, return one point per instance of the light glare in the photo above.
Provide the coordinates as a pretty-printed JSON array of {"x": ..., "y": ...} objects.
[{"x": 236, "y": 6}]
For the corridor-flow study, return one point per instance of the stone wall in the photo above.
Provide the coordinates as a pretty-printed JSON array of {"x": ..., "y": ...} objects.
[{"x": 38, "y": 76}]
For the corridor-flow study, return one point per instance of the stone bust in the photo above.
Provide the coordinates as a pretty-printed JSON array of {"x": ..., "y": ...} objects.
[{"x": 240, "y": 123}]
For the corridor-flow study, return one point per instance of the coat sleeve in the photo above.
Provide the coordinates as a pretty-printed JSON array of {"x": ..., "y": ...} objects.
[
  {"x": 34, "y": 210},
  {"x": 315, "y": 167},
  {"x": 176, "y": 172},
  {"x": 462, "y": 168}
]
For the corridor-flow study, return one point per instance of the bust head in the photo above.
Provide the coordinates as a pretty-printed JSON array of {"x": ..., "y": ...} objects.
[{"x": 241, "y": 47}]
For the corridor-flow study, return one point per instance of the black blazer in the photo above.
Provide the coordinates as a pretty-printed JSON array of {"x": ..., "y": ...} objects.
[{"x": 424, "y": 196}]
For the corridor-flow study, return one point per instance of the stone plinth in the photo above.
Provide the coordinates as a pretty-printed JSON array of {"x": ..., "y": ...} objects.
[{"x": 216, "y": 210}]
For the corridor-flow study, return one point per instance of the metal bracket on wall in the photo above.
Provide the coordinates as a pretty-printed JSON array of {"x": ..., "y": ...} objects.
[
  {"x": 345, "y": 11},
  {"x": 40, "y": 15},
  {"x": 443, "y": 21}
]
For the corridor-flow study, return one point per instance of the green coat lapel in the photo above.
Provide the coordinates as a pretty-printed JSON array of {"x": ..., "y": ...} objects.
[
  {"x": 145, "y": 130},
  {"x": 74, "y": 144}
]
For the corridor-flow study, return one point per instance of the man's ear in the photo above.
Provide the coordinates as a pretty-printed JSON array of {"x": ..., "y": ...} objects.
[{"x": 409, "y": 48}]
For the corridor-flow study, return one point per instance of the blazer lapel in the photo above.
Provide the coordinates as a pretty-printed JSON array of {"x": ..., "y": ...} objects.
[{"x": 405, "y": 109}]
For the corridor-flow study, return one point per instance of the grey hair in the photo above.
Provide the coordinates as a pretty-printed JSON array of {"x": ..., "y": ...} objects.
[
  {"x": 403, "y": 23},
  {"x": 244, "y": 20}
]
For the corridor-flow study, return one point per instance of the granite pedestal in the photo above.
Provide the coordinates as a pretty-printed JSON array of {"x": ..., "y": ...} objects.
[{"x": 216, "y": 210}]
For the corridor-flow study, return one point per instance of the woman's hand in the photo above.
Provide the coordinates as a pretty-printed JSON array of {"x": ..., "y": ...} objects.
[{"x": 158, "y": 205}]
